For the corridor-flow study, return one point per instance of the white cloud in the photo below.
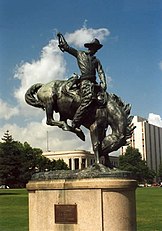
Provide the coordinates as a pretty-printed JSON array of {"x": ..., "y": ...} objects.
[
  {"x": 35, "y": 133},
  {"x": 155, "y": 119},
  {"x": 83, "y": 35},
  {"x": 7, "y": 111},
  {"x": 50, "y": 66},
  {"x": 160, "y": 65}
]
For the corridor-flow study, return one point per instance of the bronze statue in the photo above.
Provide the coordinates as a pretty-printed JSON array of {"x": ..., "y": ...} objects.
[
  {"x": 86, "y": 103},
  {"x": 88, "y": 65}
]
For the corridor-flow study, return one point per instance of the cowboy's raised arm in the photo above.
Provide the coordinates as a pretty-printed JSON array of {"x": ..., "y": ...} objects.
[{"x": 63, "y": 45}]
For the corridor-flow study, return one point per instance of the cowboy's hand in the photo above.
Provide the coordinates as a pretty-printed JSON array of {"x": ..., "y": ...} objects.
[{"x": 61, "y": 46}]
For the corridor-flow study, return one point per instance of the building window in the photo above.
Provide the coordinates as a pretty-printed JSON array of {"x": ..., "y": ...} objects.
[
  {"x": 76, "y": 161},
  {"x": 70, "y": 164},
  {"x": 91, "y": 162},
  {"x": 83, "y": 165}
]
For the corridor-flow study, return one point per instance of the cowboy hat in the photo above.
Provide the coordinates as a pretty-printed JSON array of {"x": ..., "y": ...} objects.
[{"x": 94, "y": 44}]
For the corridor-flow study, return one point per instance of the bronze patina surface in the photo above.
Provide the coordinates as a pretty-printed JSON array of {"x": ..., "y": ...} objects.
[{"x": 84, "y": 101}]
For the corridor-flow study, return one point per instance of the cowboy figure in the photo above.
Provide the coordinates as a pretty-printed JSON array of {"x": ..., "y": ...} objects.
[{"x": 88, "y": 65}]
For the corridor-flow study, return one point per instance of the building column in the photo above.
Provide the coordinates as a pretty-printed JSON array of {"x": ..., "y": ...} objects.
[
  {"x": 80, "y": 162},
  {"x": 86, "y": 162},
  {"x": 72, "y": 163}
]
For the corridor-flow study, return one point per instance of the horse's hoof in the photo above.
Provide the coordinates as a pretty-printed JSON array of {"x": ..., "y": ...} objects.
[
  {"x": 80, "y": 134},
  {"x": 78, "y": 130},
  {"x": 50, "y": 122},
  {"x": 65, "y": 127}
]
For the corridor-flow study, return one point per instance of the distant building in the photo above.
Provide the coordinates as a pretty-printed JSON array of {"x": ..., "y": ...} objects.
[
  {"x": 113, "y": 159},
  {"x": 77, "y": 159},
  {"x": 148, "y": 139}
]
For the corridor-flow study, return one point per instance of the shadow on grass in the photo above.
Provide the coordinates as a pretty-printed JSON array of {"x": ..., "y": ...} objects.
[{"x": 6, "y": 194}]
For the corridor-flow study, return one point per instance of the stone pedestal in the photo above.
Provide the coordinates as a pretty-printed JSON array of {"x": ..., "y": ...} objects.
[{"x": 93, "y": 204}]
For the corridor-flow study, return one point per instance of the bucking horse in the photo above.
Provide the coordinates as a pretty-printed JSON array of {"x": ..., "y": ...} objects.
[{"x": 62, "y": 96}]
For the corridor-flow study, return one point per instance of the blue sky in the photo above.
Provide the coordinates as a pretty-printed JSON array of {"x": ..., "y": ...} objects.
[{"x": 131, "y": 34}]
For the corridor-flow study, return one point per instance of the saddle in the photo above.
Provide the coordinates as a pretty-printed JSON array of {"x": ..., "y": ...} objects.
[{"x": 71, "y": 89}]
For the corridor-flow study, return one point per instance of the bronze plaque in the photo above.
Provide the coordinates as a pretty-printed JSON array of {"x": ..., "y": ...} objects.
[{"x": 65, "y": 214}]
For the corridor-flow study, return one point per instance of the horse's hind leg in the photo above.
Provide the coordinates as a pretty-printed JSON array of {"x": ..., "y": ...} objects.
[
  {"x": 49, "y": 114},
  {"x": 62, "y": 123},
  {"x": 50, "y": 120}
]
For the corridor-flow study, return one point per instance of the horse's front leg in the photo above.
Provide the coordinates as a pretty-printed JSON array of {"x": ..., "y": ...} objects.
[{"x": 96, "y": 144}]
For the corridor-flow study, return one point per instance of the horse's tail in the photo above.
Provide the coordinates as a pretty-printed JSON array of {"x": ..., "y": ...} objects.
[{"x": 30, "y": 96}]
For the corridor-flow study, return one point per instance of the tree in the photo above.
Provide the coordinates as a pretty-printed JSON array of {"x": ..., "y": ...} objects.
[
  {"x": 18, "y": 162},
  {"x": 160, "y": 171},
  {"x": 59, "y": 164},
  {"x": 31, "y": 159},
  {"x": 132, "y": 161},
  {"x": 7, "y": 137},
  {"x": 10, "y": 160}
]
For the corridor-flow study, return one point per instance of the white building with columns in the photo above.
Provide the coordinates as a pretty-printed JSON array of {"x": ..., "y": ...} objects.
[
  {"x": 78, "y": 159},
  {"x": 147, "y": 138}
]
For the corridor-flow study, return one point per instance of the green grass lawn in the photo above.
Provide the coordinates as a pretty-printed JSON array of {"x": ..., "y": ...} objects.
[
  {"x": 14, "y": 209},
  {"x": 149, "y": 209}
]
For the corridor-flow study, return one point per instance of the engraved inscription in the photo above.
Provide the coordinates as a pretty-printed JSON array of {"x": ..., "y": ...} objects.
[{"x": 65, "y": 214}]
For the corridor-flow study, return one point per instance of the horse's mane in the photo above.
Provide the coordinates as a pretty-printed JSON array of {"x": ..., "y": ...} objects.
[{"x": 125, "y": 108}]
